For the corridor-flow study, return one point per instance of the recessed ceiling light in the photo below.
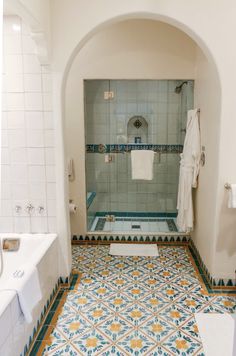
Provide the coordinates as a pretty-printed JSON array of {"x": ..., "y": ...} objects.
[{"x": 16, "y": 27}]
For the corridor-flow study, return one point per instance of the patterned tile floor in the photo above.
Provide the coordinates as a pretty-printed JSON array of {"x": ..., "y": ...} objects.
[{"x": 131, "y": 306}]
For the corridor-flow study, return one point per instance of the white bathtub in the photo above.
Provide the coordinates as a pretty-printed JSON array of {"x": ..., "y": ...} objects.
[{"x": 42, "y": 251}]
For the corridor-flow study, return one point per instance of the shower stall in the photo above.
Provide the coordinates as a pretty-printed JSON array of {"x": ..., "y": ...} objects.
[{"x": 125, "y": 115}]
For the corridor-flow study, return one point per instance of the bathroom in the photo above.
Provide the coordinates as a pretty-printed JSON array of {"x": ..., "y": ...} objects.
[{"x": 56, "y": 71}]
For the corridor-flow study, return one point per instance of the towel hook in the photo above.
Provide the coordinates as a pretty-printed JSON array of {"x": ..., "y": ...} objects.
[{"x": 227, "y": 186}]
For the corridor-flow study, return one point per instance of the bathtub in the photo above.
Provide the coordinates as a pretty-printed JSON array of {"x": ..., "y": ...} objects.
[{"x": 38, "y": 249}]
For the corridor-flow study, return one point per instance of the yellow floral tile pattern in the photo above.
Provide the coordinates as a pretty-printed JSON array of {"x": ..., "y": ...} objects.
[{"x": 132, "y": 306}]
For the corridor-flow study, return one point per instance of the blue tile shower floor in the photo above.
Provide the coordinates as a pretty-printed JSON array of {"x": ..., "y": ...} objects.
[{"x": 135, "y": 224}]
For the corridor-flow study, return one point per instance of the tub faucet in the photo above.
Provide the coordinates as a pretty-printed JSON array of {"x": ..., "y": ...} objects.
[{"x": 29, "y": 208}]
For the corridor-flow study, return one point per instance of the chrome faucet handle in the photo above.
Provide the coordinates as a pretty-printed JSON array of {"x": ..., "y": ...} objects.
[
  {"x": 29, "y": 208},
  {"x": 41, "y": 209},
  {"x": 18, "y": 209}
]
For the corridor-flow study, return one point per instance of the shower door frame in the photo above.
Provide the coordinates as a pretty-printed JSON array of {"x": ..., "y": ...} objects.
[{"x": 112, "y": 232}]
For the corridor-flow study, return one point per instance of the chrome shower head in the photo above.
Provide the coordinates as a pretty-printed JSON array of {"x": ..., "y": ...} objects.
[{"x": 178, "y": 89}]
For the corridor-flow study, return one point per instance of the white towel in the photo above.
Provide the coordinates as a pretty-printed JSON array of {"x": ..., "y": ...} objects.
[
  {"x": 232, "y": 196},
  {"x": 27, "y": 288},
  {"x": 142, "y": 164}
]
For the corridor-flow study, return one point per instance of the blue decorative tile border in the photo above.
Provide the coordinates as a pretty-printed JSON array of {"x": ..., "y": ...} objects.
[
  {"x": 51, "y": 304},
  {"x": 140, "y": 214},
  {"x": 212, "y": 284},
  {"x": 120, "y": 148},
  {"x": 129, "y": 238}
]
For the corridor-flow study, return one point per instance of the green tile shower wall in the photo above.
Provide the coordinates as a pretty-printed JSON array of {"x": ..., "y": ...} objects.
[{"x": 106, "y": 122}]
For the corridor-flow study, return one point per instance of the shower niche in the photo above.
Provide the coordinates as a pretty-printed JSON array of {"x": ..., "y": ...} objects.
[
  {"x": 124, "y": 115},
  {"x": 137, "y": 130}
]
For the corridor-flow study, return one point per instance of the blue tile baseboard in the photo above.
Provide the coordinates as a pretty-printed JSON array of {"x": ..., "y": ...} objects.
[
  {"x": 213, "y": 284},
  {"x": 44, "y": 317},
  {"x": 130, "y": 238},
  {"x": 119, "y": 148}
]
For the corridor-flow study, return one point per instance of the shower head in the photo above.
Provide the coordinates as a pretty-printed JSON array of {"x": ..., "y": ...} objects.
[{"x": 178, "y": 89}]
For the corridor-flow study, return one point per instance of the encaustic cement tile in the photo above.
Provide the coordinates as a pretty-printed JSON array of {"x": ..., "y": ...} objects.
[
  {"x": 136, "y": 343},
  {"x": 91, "y": 343},
  {"x": 157, "y": 329},
  {"x": 132, "y": 306},
  {"x": 182, "y": 344},
  {"x": 224, "y": 303}
]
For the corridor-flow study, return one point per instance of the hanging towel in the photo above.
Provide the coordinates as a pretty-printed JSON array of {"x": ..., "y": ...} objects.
[
  {"x": 189, "y": 169},
  {"x": 232, "y": 196},
  {"x": 25, "y": 283},
  {"x": 142, "y": 164}
]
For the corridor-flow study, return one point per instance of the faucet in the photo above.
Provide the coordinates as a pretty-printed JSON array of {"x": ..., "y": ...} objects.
[{"x": 29, "y": 208}]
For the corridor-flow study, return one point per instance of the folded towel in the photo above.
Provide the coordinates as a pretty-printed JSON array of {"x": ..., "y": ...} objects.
[
  {"x": 232, "y": 196},
  {"x": 25, "y": 282},
  {"x": 142, "y": 164}
]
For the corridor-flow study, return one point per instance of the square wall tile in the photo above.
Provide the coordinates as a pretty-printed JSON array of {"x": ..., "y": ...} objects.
[
  {"x": 33, "y": 102},
  {"x": 28, "y": 45},
  {"x": 31, "y": 64},
  {"x": 4, "y": 120},
  {"x": 15, "y": 101},
  {"x": 52, "y": 224},
  {"x": 17, "y": 138},
  {"x": 49, "y": 138},
  {"x": 6, "y": 192},
  {"x": 5, "y": 173},
  {"x": 35, "y": 138},
  {"x": 47, "y": 101},
  {"x": 36, "y": 156},
  {"x": 51, "y": 190},
  {"x": 48, "y": 120},
  {"x": 4, "y": 138},
  {"x": 16, "y": 120},
  {"x": 18, "y": 155},
  {"x": 47, "y": 83},
  {"x": 6, "y": 207},
  {"x": 50, "y": 174},
  {"x": 19, "y": 173},
  {"x": 50, "y": 156},
  {"x": 39, "y": 225},
  {"x": 12, "y": 44},
  {"x": 37, "y": 174},
  {"x": 32, "y": 82},
  {"x": 5, "y": 156},
  {"x": 14, "y": 83},
  {"x": 37, "y": 191},
  {"x": 13, "y": 64},
  {"x": 34, "y": 120},
  {"x": 20, "y": 191},
  {"x": 22, "y": 224},
  {"x": 51, "y": 207},
  {"x": 6, "y": 225}
]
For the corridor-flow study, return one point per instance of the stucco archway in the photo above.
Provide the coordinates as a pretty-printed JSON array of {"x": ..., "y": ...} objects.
[{"x": 150, "y": 16}]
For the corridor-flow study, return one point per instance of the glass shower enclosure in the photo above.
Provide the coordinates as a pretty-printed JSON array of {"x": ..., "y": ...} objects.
[{"x": 125, "y": 115}]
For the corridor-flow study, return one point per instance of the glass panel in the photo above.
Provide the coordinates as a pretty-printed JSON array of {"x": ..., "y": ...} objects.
[{"x": 137, "y": 112}]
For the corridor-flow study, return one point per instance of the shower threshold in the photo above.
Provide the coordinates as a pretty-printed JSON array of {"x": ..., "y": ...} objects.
[{"x": 135, "y": 224}]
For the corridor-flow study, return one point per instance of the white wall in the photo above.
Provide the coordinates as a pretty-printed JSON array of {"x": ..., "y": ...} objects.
[
  {"x": 119, "y": 52},
  {"x": 202, "y": 21},
  {"x": 28, "y": 164},
  {"x": 207, "y": 97}
]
